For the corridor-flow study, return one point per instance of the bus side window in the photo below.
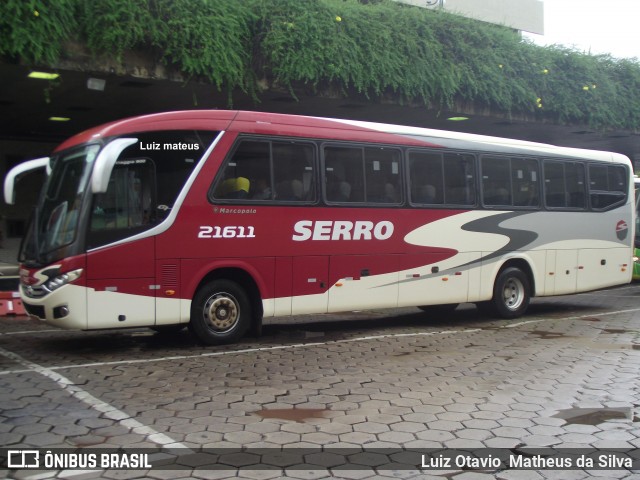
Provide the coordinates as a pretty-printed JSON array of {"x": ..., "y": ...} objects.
[
  {"x": 247, "y": 174},
  {"x": 564, "y": 184},
  {"x": 607, "y": 185},
  {"x": 459, "y": 179},
  {"x": 576, "y": 185},
  {"x": 554, "y": 184},
  {"x": 383, "y": 179},
  {"x": 266, "y": 170},
  {"x": 294, "y": 171},
  {"x": 496, "y": 181},
  {"x": 426, "y": 178},
  {"x": 344, "y": 174},
  {"x": 524, "y": 178}
]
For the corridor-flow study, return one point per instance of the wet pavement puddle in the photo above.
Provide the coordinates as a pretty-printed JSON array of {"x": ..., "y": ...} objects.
[
  {"x": 616, "y": 330},
  {"x": 549, "y": 335},
  {"x": 593, "y": 416}
]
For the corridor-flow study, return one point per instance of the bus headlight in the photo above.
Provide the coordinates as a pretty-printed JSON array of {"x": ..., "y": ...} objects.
[{"x": 62, "y": 279}]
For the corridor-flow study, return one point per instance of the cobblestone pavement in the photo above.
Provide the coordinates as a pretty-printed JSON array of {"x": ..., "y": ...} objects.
[{"x": 564, "y": 376}]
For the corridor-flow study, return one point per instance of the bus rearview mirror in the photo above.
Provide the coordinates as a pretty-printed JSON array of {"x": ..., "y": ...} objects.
[
  {"x": 105, "y": 162},
  {"x": 15, "y": 172}
]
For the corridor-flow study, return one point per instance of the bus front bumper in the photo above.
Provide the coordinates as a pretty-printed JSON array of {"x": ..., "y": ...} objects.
[{"x": 65, "y": 307}]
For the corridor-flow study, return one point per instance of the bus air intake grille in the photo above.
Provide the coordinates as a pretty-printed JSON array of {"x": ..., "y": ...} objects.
[
  {"x": 35, "y": 310},
  {"x": 169, "y": 276}
]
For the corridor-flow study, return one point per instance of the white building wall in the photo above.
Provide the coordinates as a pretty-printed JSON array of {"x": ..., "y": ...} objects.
[{"x": 524, "y": 15}]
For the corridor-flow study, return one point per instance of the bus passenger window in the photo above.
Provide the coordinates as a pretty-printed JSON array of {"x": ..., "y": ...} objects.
[
  {"x": 382, "y": 170},
  {"x": 607, "y": 185},
  {"x": 247, "y": 173},
  {"x": 459, "y": 179},
  {"x": 576, "y": 185},
  {"x": 564, "y": 185},
  {"x": 496, "y": 181},
  {"x": 293, "y": 171},
  {"x": 524, "y": 178},
  {"x": 265, "y": 170},
  {"x": 426, "y": 178},
  {"x": 554, "y": 185},
  {"x": 344, "y": 176}
]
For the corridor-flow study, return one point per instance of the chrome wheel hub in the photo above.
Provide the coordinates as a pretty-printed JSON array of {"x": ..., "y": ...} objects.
[
  {"x": 221, "y": 312},
  {"x": 513, "y": 293}
]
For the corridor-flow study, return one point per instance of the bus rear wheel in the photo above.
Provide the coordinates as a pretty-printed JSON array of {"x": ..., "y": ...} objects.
[
  {"x": 220, "y": 313},
  {"x": 511, "y": 294}
]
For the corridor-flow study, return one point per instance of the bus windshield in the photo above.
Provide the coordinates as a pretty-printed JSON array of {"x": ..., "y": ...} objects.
[{"x": 55, "y": 220}]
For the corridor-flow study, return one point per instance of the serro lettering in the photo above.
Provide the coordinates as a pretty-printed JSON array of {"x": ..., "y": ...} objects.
[{"x": 341, "y": 230}]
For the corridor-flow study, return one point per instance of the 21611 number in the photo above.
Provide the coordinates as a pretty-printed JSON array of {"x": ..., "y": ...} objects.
[{"x": 215, "y": 231}]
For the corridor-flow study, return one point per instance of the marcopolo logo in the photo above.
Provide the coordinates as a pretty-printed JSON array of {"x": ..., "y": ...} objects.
[{"x": 622, "y": 229}]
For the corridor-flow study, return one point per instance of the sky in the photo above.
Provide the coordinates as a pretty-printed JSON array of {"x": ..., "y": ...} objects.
[{"x": 593, "y": 26}]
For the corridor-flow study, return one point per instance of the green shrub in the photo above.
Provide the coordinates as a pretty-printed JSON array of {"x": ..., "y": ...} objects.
[{"x": 379, "y": 49}]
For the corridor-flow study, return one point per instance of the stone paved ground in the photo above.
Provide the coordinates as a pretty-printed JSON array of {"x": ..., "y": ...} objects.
[{"x": 564, "y": 376}]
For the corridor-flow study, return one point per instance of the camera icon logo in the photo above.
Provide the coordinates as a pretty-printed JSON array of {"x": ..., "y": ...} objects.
[{"x": 23, "y": 459}]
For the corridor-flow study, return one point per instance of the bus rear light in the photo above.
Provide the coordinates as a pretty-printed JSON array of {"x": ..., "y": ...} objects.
[{"x": 62, "y": 279}]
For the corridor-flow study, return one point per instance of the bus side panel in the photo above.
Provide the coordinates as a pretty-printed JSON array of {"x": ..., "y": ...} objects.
[
  {"x": 599, "y": 268},
  {"x": 282, "y": 286},
  {"x": 436, "y": 281},
  {"x": 115, "y": 309},
  {"x": 565, "y": 272},
  {"x": 310, "y": 284},
  {"x": 363, "y": 282},
  {"x": 135, "y": 260}
]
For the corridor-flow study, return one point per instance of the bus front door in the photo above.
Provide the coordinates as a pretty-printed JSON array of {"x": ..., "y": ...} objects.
[{"x": 121, "y": 285}]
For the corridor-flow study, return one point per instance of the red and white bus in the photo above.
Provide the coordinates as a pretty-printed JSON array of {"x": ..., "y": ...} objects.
[{"x": 217, "y": 219}]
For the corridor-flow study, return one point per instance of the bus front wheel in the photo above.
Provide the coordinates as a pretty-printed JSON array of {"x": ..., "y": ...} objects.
[
  {"x": 220, "y": 313},
  {"x": 511, "y": 294}
]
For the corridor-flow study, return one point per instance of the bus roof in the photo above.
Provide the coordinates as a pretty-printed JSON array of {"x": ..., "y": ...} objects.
[{"x": 297, "y": 125}]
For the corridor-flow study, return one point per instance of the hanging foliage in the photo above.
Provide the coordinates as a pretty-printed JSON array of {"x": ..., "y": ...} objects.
[{"x": 380, "y": 49}]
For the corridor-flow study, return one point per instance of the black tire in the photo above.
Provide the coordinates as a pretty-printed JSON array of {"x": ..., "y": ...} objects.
[
  {"x": 220, "y": 313},
  {"x": 511, "y": 294},
  {"x": 439, "y": 309}
]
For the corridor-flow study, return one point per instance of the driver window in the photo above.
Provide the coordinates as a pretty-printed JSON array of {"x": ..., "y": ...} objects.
[
  {"x": 127, "y": 202},
  {"x": 127, "y": 207},
  {"x": 146, "y": 181}
]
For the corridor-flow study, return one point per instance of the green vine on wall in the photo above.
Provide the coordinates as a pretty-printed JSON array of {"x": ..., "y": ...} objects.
[{"x": 377, "y": 49}]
